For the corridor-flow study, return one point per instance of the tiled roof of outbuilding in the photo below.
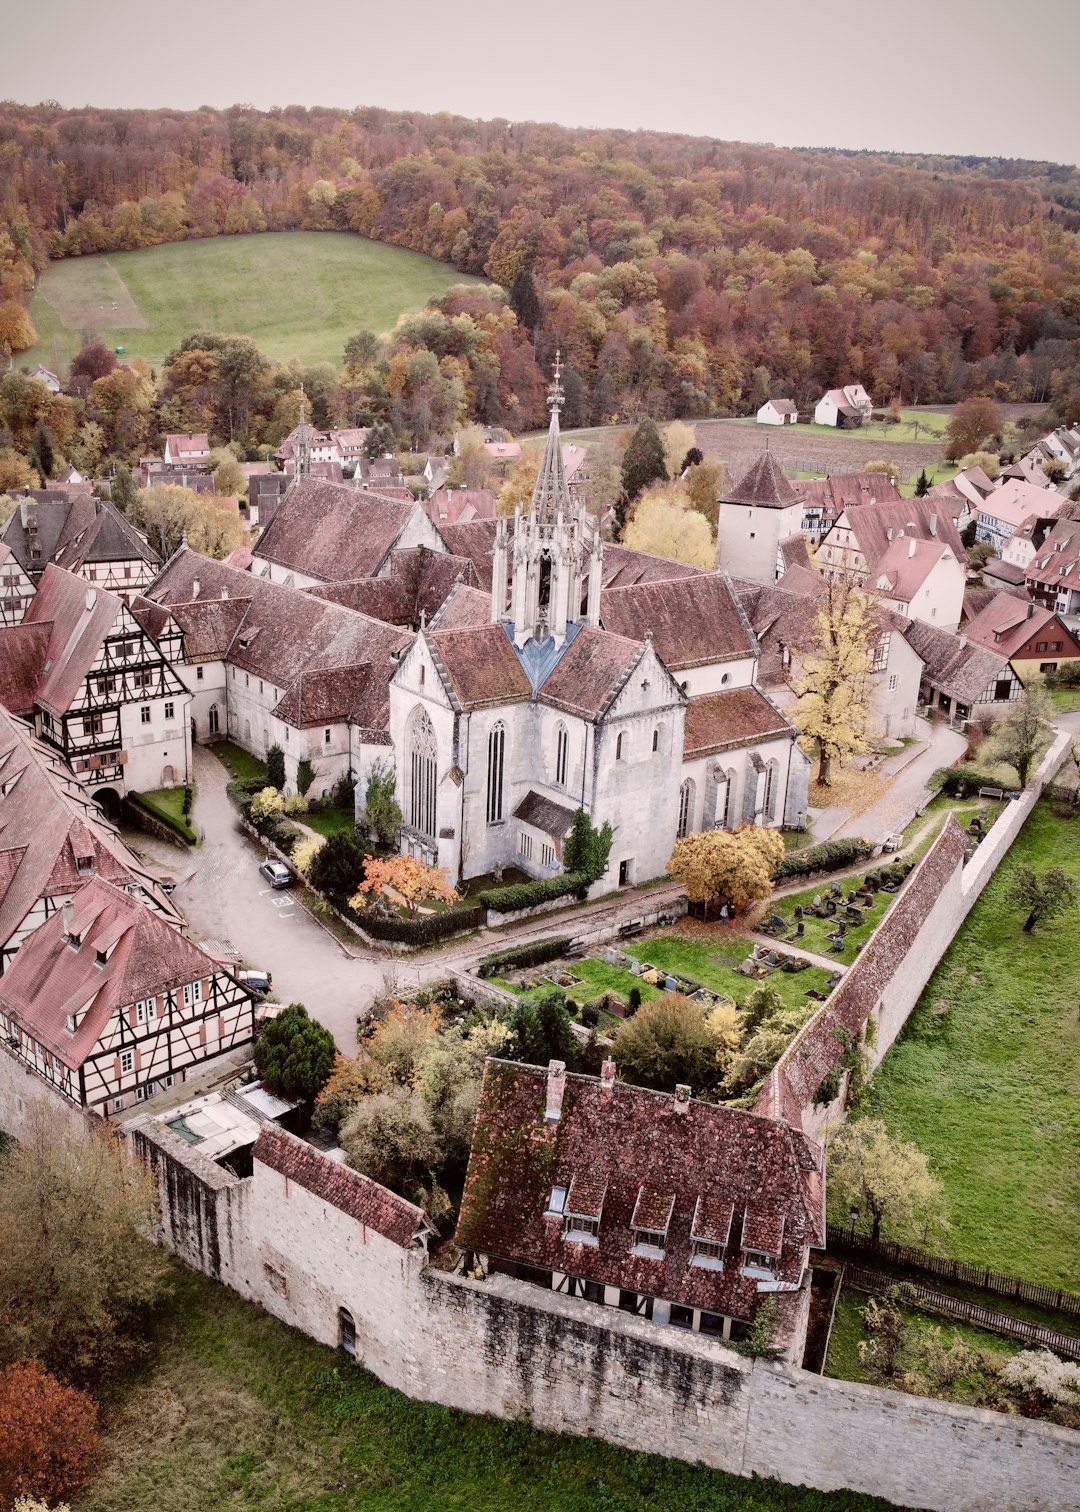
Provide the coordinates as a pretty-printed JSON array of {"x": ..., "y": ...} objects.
[
  {"x": 733, "y": 717},
  {"x": 638, "y": 1154},
  {"x": 332, "y": 531},
  {"x": 373, "y": 1206},
  {"x": 590, "y": 673}
]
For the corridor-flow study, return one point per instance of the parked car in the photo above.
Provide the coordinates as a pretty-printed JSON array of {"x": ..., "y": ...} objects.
[
  {"x": 256, "y": 981},
  {"x": 276, "y": 873}
]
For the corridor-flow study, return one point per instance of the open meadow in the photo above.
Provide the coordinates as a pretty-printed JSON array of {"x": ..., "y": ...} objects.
[
  {"x": 985, "y": 1076},
  {"x": 296, "y": 294}
]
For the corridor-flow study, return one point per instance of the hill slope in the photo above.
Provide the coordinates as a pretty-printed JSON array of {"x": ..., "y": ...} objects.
[{"x": 297, "y": 294}]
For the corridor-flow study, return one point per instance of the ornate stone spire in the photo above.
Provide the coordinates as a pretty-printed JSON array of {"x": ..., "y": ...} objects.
[{"x": 551, "y": 497}]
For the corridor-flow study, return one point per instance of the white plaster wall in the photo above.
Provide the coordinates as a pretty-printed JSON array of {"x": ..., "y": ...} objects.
[
  {"x": 154, "y": 746},
  {"x": 718, "y": 676},
  {"x": 748, "y": 538}
]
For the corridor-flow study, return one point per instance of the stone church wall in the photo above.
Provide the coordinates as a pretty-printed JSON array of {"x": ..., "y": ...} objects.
[{"x": 512, "y": 1350}]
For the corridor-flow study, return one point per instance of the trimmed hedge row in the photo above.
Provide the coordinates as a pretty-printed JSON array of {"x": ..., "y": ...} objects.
[
  {"x": 830, "y": 855},
  {"x": 528, "y": 894},
  {"x": 961, "y": 781},
  {"x": 425, "y": 929},
  {"x": 532, "y": 953}
]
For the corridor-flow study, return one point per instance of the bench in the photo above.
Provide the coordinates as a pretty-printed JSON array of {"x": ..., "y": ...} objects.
[
  {"x": 991, "y": 792},
  {"x": 633, "y": 928}
]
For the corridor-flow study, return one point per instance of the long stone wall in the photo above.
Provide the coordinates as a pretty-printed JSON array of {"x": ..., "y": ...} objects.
[{"x": 509, "y": 1349}]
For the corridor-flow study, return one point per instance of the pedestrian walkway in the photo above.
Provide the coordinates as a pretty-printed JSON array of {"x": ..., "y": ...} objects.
[{"x": 792, "y": 947}]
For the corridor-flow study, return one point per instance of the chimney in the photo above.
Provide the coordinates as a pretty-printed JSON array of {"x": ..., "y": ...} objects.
[
  {"x": 195, "y": 585},
  {"x": 911, "y": 547},
  {"x": 963, "y": 643},
  {"x": 91, "y": 599},
  {"x": 556, "y": 1086},
  {"x": 24, "y": 512},
  {"x": 682, "y": 1099},
  {"x": 224, "y": 593},
  {"x": 888, "y": 534},
  {"x": 1031, "y": 610},
  {"x": 933, "y": 524},
  {"x": 69, "y": 919},
  {"x": 607, "y": 1075}
]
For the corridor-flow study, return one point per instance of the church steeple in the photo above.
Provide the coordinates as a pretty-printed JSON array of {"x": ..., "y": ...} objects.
[{"x": 550, "y": 548}]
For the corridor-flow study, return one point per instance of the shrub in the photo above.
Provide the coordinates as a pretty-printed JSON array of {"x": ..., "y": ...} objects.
[
  {"x": 265, "y": 802},
  {"x": 297, "y": 804},
  {"x": 530, "y": 894},
  {"x": 420, "y": 929},
  {"x": 390, "y": 1138},
  {"x": 294, "y": 1055},
  {"x": 1065, "y": 676},
  {"x": 338, "y": 866},
  {"x": 532, "y": 953},
  {"x": 831, "y": 855},
  {"x": 275, "y": 767},
  {"x": 590, "y": 1014},
  {"x": 959, "y": 781},
  {"x": 189, "y": 798},
  {"x": 305, "y": 775},
  {"x": 304, "y": 853},
  {"x": 48, "y": 1435}
]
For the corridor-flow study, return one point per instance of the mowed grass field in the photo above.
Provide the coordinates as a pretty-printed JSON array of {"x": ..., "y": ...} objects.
[
  {"x": 985, "y": 1077},
  {"x": 236, "y": 1410},
  {"x": 295, "y": 293}
]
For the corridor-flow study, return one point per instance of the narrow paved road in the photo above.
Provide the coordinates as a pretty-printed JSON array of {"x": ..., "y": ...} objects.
[{"x": 907, "y": 790}]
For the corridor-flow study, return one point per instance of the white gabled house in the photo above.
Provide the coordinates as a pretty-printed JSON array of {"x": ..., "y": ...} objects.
[
  {"x": 847, "y": 407},
  {"x": 778, "y": 412}
]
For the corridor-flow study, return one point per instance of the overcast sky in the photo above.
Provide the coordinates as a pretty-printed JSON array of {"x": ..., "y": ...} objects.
[{"x": 966, "y": 76}]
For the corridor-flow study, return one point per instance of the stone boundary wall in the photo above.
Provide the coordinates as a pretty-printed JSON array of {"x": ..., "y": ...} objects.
[
  {"x": 877, "y": 993},
  {"x": 21, "y": 1089},
  {"x": 502, "y": 1347}
]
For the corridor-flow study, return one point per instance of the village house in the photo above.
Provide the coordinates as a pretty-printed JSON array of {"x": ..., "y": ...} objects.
[
  {"x": 1033, "y": 638},
  {"x": 187, "y": 451},
  {"x": 97, "y": 688},
  {"x": 784, "y": 621},
  {"x": 908, "y": 552},
  {"x": 47, "y": 377},
  {"x": 1025, "y": 470},
  {"x": 756, "y": 515},
  {"x": 778, "y": 412},
  {"x": 961, "y": 679},
  {"x": 53, "y": 840},
  {"x": 846, "y": 407},
  {"x": 1060, "y": 446},
  {"x": 109, "y": 1004},
  {"x": 1009, "y": 506},
  {"x": 1053, "y": 575},
  {"x": 1026, "y": 543},
  {"x": 454, "y": 506},
  {"x": 683, "y": 1212},
  {"x": 825, "y": 499},
  {"x": 17, "y": 587},
  {"x": 83, "y": 535}
]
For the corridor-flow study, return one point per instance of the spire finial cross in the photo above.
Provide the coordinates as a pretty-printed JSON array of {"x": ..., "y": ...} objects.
[{"x": 555, "y": 392}]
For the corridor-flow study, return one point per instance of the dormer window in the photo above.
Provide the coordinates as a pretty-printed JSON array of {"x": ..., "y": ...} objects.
[
  {"x": 707, "y": 1253},
  {"x": 582, "y": 1208},
  {"x": 101, "y": 957},
  {"x": 649, "y": 1222},
  {"x": 650, "y": 1243},
  {"x": 758, "y": 1259},
  {"x": 557, "y": 1200},
  {"x": 709, "y": 1232},
  {"x": 584, "y": 1229}
]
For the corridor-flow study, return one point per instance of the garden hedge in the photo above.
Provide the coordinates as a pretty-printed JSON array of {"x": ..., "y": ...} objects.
[
  {"x": 532, "y": 953},
  {"x": 529, "y": 894},
  {"x": 830, "y": 855},
  {"x": 424, "y": 929}
]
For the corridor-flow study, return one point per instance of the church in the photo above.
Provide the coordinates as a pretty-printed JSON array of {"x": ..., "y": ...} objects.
[
  {"x": 511, "y": 671},
  {"x": 592, "y": 677}
]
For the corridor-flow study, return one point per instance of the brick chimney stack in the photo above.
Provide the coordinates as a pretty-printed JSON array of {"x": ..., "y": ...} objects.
[
  {"x": 69, "y": 919},
  {"x": 556, "y": 1086},
  {"x": 682, "y": 1099}
]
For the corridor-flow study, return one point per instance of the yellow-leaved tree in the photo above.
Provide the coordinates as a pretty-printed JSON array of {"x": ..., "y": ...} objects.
[
  {"x": 407, "y": 879},
  {"x": 832, "y": 711},
  {"x": 736, "y": 866},
  {"x": 663, "y": 525}
]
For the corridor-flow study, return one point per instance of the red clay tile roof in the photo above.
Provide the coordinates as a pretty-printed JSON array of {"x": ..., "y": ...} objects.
[
  {"x": 817, "y": 1049},
  {"x": 24, "y": 650},
  {"x": 793, "y": 550},
  {"x": 591, "y": 672},
  {"x": 545, "y": 814},
  {"x": 463, "y": 609},
  {"x": 372, "y": 1205},
  {"x": 475, "y": 540},
  {"x": 841, "y": 491},
  {"x": 332, "y": 531},
  {"x": 925, "y": 519},
  {"x": 763, "y": 486},
  {"x": 48, "y": 825},
  {"x": 1007, "y": 623},
  {"x": 905, "y": 566},
  {"x": 447, "y": 506},
  {"x": 622, "y": 1150},
  {"x": 623, "y": 568},
  {"x": 695, "y": 621},
  {"x": 420, "y": 581},
  {"x": 50, "y": 979},
  {"x": 79, "y": 617},
  {"x": 331, "y": 696},
  {"x": 73, "y": 529},
  {"x": 735, "y": 717},
  {"x": 957, "y": 666},
  {"x": 479, "y": 666}
]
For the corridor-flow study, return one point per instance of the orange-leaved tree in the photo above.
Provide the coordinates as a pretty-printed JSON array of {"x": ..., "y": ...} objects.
[
  {"x": 410, "y": 880},
  {"x": 48, "y": 1435}
]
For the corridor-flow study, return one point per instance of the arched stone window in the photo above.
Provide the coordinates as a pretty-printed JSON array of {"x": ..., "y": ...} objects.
[
  {"x": 496, "y": 757},
  {"x": 423, "y": 773},
  {"x": 772, "y": 780},
  {"x": 656, "y": 739},
  {"x": 562, "y": 755},
  {"x": 213, "y": 719},
  {"x": 686, "y": 808},
  {"x": 619, "y": 747}
]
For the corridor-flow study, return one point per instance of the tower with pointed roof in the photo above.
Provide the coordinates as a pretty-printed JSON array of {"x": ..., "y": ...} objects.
[
  {"x": 552, "y": 548},
  {"x": 756, "y": 516}
]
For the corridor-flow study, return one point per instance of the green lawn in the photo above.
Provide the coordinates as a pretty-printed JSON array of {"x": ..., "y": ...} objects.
[
  {"x": 297, "y": 294},
  {"x": 1065, "y": 700},
  {"x": 167, "y": 805},
  {"x": 240, "y": 764},
  {"x": 713, "y": 963},
  {"x": 986, "y": 1075},
  {"x": 239, "y": 1411},
  {"x": 330, "y": 821}
]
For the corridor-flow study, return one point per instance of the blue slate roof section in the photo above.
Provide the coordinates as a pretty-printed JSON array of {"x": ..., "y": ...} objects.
[{"x": 540, "y": 658}]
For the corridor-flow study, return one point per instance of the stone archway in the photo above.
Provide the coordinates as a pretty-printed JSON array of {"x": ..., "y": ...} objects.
[{"x": 108, "y": 801}]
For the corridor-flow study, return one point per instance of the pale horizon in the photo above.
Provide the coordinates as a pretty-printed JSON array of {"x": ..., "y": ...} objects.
[{"x": 950, "y": 79}]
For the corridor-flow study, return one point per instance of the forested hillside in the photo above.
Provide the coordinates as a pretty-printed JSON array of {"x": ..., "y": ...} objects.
[{"x": 679, "y": 275}]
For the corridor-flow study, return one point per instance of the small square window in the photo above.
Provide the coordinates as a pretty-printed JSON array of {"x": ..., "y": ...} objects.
[
  {"x": 144, "y": 713},
  {"x": 557, "y": 1200},
  {"x": 127, "y": 1061},
  {"x": 169, "y": 708},
  {"x": 198, "y": 674},
  {"x": 118, "y": 1104}
]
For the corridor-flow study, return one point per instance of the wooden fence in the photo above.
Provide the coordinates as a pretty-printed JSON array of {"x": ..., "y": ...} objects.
[
  {"x": 963, "y": 1311},
  {"x": 848, "y": 1241}
]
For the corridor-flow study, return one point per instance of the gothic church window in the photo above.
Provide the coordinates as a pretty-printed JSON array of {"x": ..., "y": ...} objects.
[
  {"x": 423, "y": 774},
  {"x": 686, "y": 808},
  {"x": 562, "y": 753},
  {"x": 496, "y": 753}
]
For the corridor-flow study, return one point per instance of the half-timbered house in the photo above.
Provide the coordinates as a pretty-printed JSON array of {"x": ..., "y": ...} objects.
[
  {"x": 98, "y": 688},
  {"x": 83, "y": 535},
  {"x": 54, "y": 840},
  {"x": 110, "y": 1004},
  {"x": 16, "y": 587}
]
